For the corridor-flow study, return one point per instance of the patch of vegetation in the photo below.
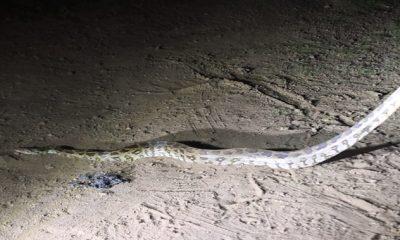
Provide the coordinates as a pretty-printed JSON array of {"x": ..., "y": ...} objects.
[
  {"x": 395, "y": 30},
  {"x": 374, "y": 4}
]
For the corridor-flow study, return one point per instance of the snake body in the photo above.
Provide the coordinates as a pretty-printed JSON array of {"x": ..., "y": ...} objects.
[{"x": 307, "y": 157}]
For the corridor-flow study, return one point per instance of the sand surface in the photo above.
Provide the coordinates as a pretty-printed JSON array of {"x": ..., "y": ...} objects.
[{"x": 262, "y": 74}]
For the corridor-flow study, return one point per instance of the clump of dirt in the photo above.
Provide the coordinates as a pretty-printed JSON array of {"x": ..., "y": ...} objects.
[{"x": 98, "y": 180}]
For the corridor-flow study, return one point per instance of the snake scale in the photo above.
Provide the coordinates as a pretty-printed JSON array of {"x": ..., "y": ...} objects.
[{"x": 307, "y": 157}]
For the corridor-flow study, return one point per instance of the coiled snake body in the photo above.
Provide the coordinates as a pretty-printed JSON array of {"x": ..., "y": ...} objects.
[{"x": 275, "y": 159}]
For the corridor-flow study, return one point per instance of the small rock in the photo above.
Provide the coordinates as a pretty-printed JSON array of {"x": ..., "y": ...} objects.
[{"x": 48, "y": 166}]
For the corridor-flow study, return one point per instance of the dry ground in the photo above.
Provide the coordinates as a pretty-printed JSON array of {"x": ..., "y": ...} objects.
[{"x": 269, "y": 74}]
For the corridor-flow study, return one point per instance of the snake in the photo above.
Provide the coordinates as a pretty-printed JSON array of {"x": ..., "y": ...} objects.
[{"x": 307, "y": 157}]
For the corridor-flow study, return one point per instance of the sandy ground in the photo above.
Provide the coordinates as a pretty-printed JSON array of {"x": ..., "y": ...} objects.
[{"x": 265, "y": 74}]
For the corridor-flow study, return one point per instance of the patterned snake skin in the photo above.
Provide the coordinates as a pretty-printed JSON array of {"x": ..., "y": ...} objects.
[{"x": 275, "y": 159}]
